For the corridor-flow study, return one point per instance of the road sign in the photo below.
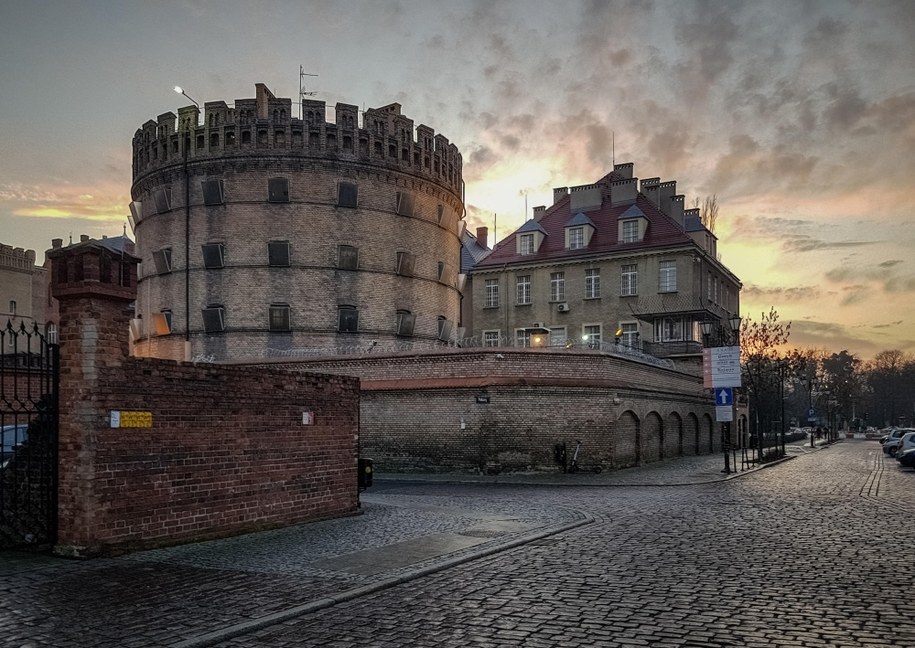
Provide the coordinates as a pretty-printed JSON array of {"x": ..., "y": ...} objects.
[
  {"x": 724, "y": 414},
  {"x": 724, "y": 396},
  {"x": 811, "y": 415},
  {"x": 721, "y": 366}
]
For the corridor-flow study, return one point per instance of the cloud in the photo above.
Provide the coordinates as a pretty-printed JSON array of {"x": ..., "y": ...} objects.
[{"x": 779, "y": 294}]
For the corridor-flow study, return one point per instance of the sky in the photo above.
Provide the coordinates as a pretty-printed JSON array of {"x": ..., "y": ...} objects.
[{"x": 798, "y": 115}]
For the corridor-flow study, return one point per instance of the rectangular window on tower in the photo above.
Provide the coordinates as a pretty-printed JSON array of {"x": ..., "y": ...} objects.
[
  {"x": 347, "y": 319},
  {"x": 347, "y": 257},
  {"x": 347, "y": 194},
  {"x": 163, "y": 260},
  {"x": 404, "y": 203},
  {"x": 278, "y": 253},
  {"x": 214, "y": 320},
  {"x": 278, "y": 317},
  {"x": 278, "y": 190},
  {"x": 212, "y": 192},
  {"x": 406, "y": 262},
  {"x": 214, "y": 255}
]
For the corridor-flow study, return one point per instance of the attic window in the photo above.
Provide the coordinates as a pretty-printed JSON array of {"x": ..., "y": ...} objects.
[
  {"x": 526, "y": 244},
  {"x": 576, "y": 238},
  {"x": 630, "y": 231}
]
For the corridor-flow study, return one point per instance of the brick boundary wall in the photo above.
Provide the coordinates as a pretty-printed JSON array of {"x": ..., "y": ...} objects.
[
  {"x": 506, "y": 410},
  {"x": 227, "y": 452}
]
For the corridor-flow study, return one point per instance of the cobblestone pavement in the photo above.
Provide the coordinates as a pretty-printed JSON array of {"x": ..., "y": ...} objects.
[{"x": 803, "y": 553}]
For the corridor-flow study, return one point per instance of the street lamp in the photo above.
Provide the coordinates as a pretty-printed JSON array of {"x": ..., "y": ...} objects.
[{"x": 182, "y": 92}]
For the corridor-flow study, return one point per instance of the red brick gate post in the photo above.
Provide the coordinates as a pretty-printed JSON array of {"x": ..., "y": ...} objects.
[{"x": 94, "y": 285}]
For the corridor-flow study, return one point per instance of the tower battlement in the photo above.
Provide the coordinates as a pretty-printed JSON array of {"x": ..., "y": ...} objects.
[{"x": 264, "y": 125}]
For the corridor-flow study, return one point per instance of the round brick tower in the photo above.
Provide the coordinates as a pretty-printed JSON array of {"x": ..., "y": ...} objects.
[{"x": 262, "y": 234}]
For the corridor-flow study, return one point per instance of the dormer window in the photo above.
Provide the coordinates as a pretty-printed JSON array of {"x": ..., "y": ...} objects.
[
  {"x": 529, "y": 237},
  {"x": 633, "y": 224},
  {"x": 576, "y": 238},
  {"x": 579, "y": 231}
]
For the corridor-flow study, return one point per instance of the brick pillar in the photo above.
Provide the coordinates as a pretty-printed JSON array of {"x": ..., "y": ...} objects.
[{"x": 94, "y": 286}]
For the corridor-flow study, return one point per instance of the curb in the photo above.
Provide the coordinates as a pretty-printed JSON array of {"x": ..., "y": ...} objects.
[{"x": 238, "y": 629}]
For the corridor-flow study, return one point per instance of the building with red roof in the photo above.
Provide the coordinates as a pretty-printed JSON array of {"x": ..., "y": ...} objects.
[{"x": 614, "y": 265}]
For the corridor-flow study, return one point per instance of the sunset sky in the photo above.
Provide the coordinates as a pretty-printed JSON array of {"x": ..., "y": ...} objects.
[{"x": 798, "y": 115}]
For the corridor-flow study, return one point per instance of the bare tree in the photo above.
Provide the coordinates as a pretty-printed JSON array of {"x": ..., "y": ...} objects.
[{"x": 708, "y": 211}]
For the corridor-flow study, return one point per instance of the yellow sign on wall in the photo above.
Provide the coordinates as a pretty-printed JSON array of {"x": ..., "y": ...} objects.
[{"x": 131, "y": 419}]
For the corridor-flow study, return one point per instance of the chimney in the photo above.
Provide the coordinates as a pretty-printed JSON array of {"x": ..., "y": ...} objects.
[
  {"x": 539, "y": 212},
  {"x": 666, "y": 191},
  {"x": 558, "y": 193},
  {"x": 83, "y": 238},
  {"x": 624, "y": 171},
  {"x": 650, "y": 187},
  {"x": 57, "y": 243},
  {"x": 482, "y": 236},
  {"x": 262, "y": 97}
]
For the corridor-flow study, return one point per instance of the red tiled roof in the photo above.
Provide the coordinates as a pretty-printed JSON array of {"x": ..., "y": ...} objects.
[{"x": 662, "y": 231}]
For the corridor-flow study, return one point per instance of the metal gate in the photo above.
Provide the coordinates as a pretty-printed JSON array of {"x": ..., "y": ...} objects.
[{"x": 29, "y": 380}]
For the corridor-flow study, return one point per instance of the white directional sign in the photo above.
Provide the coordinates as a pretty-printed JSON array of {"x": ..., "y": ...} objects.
[
  {"x": 724, "y": 414},
  {"x": 721, "y": 366}
]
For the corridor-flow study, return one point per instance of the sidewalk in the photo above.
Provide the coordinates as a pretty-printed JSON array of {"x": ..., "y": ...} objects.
[
  {"x": 200, "y": 594},
  {"x": 681, "y": 471}
]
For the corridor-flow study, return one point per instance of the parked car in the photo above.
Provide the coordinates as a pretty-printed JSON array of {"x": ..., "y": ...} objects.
[
  {"x": 907, "y": 458},
  {"x": 906, "y": 442},
  {"x": 892, "y": 442},
  {"x": 11, "y": 436}
]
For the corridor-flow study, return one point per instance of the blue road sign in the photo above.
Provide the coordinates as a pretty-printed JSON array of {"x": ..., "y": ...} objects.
[{"x": 724, "y": 396}]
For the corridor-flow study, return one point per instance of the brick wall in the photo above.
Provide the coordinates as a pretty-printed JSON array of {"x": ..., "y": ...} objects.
[
  {"x": 227, "y": 450},
  {"x": 504, "y": 409}
]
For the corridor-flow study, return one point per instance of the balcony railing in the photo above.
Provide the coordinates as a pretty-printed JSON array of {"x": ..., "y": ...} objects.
[{"x": 668, "y": 349}]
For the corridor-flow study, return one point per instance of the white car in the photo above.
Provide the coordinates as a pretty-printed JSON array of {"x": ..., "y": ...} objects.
[
  {"x": 892, "y": 441},
  {"x": 906, "y": 442}
]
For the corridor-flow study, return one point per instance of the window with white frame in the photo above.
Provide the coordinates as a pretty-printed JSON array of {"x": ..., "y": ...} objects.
[
  {"x": 492, "y": 338},
  {"x": 527, "y": 244},
  {"x": 630, "y": 231},
  {"x": 591, "y": 335},
  {"x": 669, "y": 329},
  {"x": 576, "y": 238},
  {"x": 630, "y": 334},
  {"x": 557, "y": 286},
  {"x": 522, "y": 338},
  {"x": 558, "y": 336},
  {"x": 667, "y": 276},
  {"x": 592, "y": 283},
  {"x": 629, "y": 280},
  {"x": 491, "y": 288},
  {"x": 523, "y": 289}
]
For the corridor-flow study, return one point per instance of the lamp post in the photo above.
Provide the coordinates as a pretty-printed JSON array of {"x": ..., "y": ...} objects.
[
  {"x": 187, "y": 237},
  {"x": 728, "y": 336},
  {"x": 811, "y": 384}
]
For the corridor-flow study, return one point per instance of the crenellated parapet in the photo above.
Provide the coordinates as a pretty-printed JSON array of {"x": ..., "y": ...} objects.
[{"x": 264, "y": 125}]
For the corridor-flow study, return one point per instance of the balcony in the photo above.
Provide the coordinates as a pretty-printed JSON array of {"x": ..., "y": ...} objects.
[{"x": 673, "y": 349}]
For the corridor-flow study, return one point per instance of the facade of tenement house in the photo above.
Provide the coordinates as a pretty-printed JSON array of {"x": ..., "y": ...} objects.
[
  {"x": 265, "y": 234},
  {"x": 615, "y": 265},
  {"x": 25, "y": 299}
]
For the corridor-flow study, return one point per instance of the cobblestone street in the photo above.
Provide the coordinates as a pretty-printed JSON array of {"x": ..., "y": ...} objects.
[{"x": 802, "y": 553}]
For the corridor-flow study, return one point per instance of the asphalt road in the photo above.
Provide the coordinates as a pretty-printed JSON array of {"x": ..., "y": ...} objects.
[{"x": 815, "y": 551}]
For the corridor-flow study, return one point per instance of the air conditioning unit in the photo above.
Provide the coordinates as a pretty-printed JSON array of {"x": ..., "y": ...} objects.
[
  {"x": 563, "y": 308},
  {"x": 538, "y": 325}
]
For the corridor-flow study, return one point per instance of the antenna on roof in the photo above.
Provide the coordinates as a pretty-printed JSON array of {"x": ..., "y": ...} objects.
[
  {"x": 613, "y": 148},
  {"x": 302, "y": 92},
  {"x": 494, "y": 229}
]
